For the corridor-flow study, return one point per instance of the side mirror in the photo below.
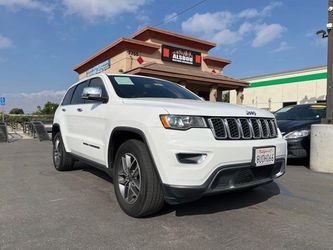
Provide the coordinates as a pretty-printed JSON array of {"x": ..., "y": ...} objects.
[{"x": 93, "y": 93}]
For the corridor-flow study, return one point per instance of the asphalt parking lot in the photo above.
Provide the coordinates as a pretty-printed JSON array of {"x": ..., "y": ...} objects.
[{"x": 41, "y": 208}]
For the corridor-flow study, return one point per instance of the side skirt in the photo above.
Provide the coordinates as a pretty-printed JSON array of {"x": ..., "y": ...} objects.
[{"x": 92, "y": 163}]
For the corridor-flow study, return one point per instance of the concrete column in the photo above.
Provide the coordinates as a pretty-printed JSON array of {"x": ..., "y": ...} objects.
[
  {"x": 213, "y": 94},
  {"x": 240, "y": 96},
  {"x": 321, "y": 159}
]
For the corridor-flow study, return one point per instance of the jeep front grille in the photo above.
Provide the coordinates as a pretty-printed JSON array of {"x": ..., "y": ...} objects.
[{"x": 243, "y": 128}]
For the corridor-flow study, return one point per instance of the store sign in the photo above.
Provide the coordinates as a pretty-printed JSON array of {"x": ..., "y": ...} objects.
[
  {"x": 178, "y": 55},
  {"x": 99, "y": 68}
]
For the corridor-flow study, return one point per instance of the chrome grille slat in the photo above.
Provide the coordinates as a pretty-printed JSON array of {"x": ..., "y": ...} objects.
[
  {"x": 233, "y": 128},
  {"x": 243, "y": 128},
  {"x": 273, "y": 129},
  {"x": 219, "y": 130},
  {"x": 265, "y": 131}
]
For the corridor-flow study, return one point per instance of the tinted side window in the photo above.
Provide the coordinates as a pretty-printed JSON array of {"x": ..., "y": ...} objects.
[
  {"x": 98, "y": 83},
  {"x": 76, "y": 99},
  {"x": 68, "y": 96}
]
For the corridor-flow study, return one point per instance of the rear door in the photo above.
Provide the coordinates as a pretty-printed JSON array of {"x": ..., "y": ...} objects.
[
  {"x": 63, "y": 109},
  {"x": 75, "y": 120}
]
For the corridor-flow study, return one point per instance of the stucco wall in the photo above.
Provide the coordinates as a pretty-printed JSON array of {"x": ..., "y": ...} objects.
[{"x": 273, "y": 96}]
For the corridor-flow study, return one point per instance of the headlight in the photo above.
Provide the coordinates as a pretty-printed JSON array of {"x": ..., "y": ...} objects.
[
  {"x": 183, "y": 122},
  {"x": 297, "y": 134}
]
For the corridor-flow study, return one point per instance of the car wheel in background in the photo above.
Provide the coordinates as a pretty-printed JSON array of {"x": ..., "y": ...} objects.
[{"x": 61, "y": 159}]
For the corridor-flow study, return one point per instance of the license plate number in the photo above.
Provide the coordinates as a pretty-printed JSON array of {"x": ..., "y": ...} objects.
[{"x": 264, "y": 156}]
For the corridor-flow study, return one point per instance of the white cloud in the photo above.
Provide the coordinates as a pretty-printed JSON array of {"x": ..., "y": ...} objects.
[
  {"x": 245, "y": 28},
  {"x": 27, "y": 4},
  {"x": 226, "y": 37},
  {"x": 267, "y": 33},
  {"x": 5, "y": 42},
  {"x": 223, "y": 27},
  {"x": 91, "y": 9},
  {"x": 142, "y": 18},
  {"x": 208, "y": 22},
  {"x": 282, "y": 47},
  {"x": 30, "y": 101},
  {"x": 267, "y": 11},
  {"x": 172, "y": 17},
  {"x": 248, "y": 13}
]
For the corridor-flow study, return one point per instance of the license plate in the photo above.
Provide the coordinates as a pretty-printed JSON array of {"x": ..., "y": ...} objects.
[{"x": 264, "y": 156}]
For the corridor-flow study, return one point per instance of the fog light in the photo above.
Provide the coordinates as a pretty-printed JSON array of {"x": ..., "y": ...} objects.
[{"x": 189, "y": 158}]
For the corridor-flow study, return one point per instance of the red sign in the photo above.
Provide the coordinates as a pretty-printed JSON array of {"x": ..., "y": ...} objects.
[
  {"x": 183, "y": 56},
  {"x": 140, "y": 60}
]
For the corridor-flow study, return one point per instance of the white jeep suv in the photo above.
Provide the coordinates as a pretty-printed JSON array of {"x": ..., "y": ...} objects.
[{"x": 160, "y": 142}]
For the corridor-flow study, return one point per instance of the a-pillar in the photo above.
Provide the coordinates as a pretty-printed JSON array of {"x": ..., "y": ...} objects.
[
  {"x": 182, "y": 83},
  {"x": 213, "y": 94},
  {"x": 240, "y": 96}
]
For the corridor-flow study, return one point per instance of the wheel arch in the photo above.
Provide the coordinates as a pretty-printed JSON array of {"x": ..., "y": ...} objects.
[
  {"x": 121, "y": 134},
  {"x": 55, "y": 129}
]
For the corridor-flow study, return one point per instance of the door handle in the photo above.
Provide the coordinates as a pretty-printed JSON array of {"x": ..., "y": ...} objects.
[
  {"x": 63, "y": 110},
  {"x": 79, "y": 109}
]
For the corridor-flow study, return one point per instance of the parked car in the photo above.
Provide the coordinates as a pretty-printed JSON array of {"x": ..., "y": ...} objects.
[
  {"x": 161, "y": 142},
  {"x": 295, "y": 124}
]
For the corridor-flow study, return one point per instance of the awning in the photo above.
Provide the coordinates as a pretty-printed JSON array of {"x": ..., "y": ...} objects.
[{"x": 188, "y": 75}]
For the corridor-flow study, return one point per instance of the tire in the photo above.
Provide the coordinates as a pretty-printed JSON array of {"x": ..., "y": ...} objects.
[
  {"x": 62, "y": 161},
  {"x": 136, "y": 183}
]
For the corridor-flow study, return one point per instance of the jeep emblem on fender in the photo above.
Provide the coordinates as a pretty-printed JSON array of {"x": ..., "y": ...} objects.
[{"x": 250, "y": 112}]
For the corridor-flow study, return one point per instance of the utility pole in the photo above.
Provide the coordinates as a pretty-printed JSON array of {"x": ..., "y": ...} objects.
[
  {"x": 322, "y": 134},
  {"x": 329, "y": 95},
  {"x": 3, "y": 114}
]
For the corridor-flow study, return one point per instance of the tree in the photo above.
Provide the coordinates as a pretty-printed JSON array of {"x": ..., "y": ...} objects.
[
  {"x": 16, "y": 111},
  {"x": 49, "y": 108}
]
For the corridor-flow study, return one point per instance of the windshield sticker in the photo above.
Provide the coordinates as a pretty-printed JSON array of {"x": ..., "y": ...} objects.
[{"x": 121, "y": 80}]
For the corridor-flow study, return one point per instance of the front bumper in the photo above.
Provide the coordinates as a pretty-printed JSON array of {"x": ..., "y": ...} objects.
[
  {"x": 166, "y": 144},
  {"x": 225, "y": 179},
  {"x": 298, "y": 148}
]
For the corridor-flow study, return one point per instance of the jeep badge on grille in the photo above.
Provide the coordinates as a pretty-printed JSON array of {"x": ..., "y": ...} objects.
[{"x": 250, "y": 112}]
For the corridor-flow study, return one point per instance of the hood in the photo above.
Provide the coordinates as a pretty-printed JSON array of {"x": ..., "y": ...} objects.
[
  {"x": 287, "y": 126},
  {"x": 197, "y": 107}
]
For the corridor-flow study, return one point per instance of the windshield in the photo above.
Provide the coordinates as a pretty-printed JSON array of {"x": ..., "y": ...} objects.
[
  {"x": 301, "y": 112},
  {"x": 139, "y": 87}
]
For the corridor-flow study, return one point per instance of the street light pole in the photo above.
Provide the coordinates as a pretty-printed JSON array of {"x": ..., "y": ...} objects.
[{"x": 329, "y": 94}]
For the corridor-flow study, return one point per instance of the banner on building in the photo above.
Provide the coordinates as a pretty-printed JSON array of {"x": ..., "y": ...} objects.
[
  {"x": 179, "y": 55},
  {"x": 99, "y": 68}
]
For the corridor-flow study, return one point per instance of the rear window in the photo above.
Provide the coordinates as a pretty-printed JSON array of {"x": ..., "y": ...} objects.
[
  {"x": 301, "y": 112},
  {"x": 68, "y": 96}
]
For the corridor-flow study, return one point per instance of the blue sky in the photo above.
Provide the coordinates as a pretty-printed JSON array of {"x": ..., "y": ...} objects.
[{"x": 41, "y": 41}]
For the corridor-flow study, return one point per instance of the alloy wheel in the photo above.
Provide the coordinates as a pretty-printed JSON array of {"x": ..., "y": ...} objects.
[
  {"x": 129, "y": 178},
  {"x": 57, "y": 152}
]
